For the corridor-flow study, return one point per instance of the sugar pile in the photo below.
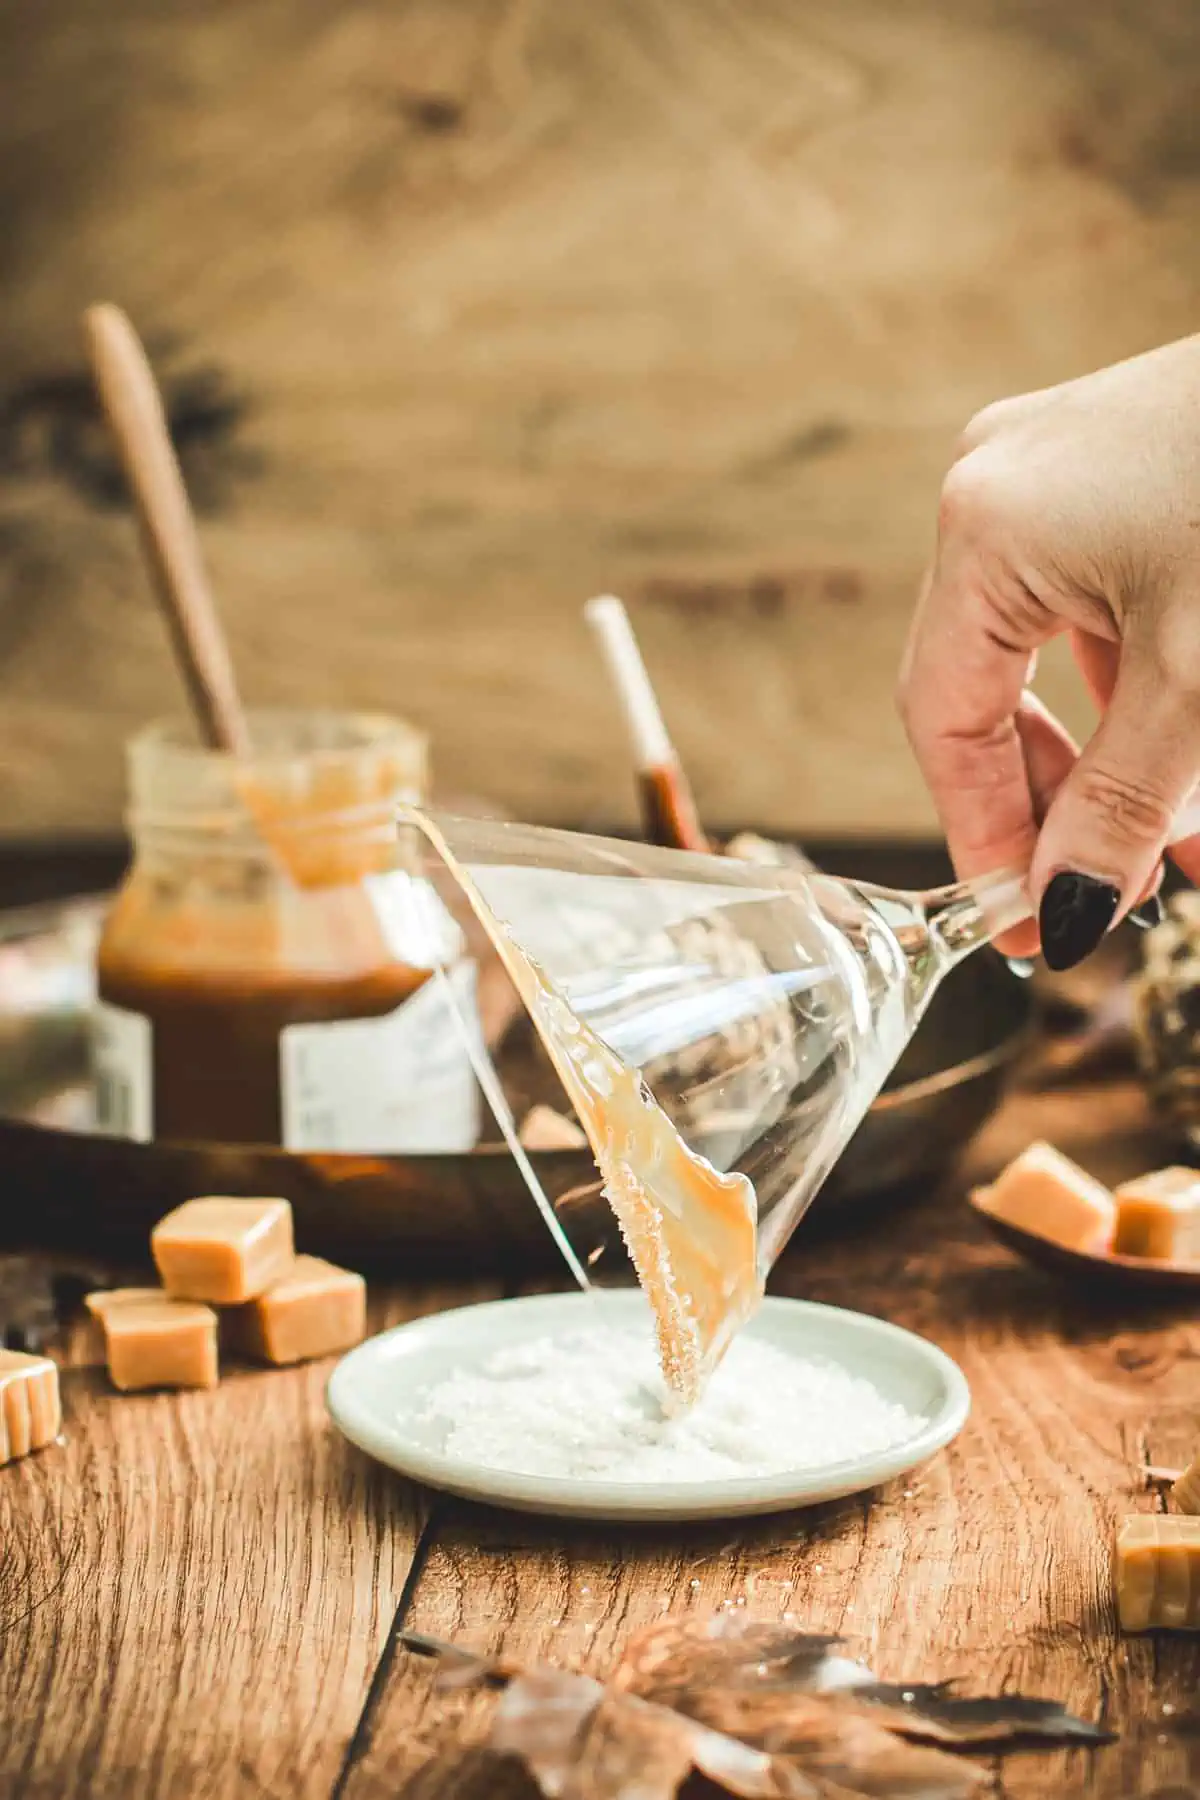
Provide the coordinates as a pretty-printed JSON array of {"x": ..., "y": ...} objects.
[{"x": 589, "y": 1403}]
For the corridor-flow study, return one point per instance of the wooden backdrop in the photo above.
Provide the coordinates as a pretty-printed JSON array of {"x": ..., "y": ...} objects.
[{"x": 468, "y": 309}]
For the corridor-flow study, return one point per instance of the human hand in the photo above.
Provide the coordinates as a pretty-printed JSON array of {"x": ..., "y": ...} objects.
[{"x": 1076, "y": 509}]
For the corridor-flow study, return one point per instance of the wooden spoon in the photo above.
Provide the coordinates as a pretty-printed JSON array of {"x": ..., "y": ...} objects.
[{"x": 134, "y": 409}]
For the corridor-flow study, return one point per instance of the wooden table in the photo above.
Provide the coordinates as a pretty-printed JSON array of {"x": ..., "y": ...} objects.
[{"x": 200, "y": 1595}]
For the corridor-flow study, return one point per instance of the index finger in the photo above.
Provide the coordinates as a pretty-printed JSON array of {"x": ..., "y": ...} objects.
[{"x": 965, "y": 668}]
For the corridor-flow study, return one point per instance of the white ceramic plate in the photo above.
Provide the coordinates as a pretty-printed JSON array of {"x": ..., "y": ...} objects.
[{"x": 376, "y": 1396}]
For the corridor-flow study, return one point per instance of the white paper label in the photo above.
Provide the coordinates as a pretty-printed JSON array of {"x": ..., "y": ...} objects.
[
  {"x": 123, "y": 1073},
  {"x": 400, "y": 1084}
]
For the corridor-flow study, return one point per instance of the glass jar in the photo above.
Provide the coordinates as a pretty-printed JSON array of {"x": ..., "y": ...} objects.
[{"x": 263, "y": 973}]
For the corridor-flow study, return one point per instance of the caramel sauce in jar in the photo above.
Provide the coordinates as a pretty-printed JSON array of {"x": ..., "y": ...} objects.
[{"x": 265, "y": 896}]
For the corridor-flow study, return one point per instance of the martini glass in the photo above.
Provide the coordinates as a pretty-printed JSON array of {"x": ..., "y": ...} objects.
[{"x": 720, "y": 1028}]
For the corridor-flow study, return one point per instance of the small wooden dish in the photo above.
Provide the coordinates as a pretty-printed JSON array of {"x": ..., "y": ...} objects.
[{"x": 1110, "y": 1270}]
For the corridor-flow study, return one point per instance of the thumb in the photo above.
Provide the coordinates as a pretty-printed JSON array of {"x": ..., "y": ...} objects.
[{"x": 1108, "y": 824}]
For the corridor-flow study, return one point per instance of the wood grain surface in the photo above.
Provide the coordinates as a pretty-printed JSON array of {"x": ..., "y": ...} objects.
[
  {"x": 200, "y": 1595},
  {"x": 991, "y": 1565},
  {"x": 195, "y": 1589},
  {"x": 465, "y": 312}
]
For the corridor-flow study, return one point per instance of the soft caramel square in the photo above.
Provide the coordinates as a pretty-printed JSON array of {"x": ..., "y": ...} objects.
[
  {"x": 1157, "y": 1573},
  {"x": 95, "y": 1349},
  {"x": 1158, "y": 1216},
  {"x": 315, "y": 1310},
  {"x": 1044, "y": 1192},
  {"x": 153, "y": 1341},
  {"x": 222, "y": 1250},
  {"x": 30, "y": 1407}
]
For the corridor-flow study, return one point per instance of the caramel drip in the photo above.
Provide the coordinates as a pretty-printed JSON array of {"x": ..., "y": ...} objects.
[{"x": 691, "y": 1232}]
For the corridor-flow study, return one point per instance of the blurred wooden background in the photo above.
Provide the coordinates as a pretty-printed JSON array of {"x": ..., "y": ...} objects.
[{"x": 468, "y": 309}]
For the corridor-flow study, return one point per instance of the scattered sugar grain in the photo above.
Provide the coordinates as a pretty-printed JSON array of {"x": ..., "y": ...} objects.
[{"x": 591, "y": 1404}]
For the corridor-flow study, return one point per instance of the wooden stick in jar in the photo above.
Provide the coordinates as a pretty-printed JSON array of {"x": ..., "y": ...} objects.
[
  {"x": 134, "y": 409},
  {"x": 668, "y": 810}
]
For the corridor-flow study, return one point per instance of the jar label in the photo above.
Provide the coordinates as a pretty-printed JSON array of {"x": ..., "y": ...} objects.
[
  {"x": 400, "y": 1084},
  {"x": 122, "y": 1050}
]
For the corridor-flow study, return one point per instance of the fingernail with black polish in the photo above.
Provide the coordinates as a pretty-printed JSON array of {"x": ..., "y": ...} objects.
[
  {"x": 1075, "y": 913},
  {"x": 1150, "y": 913}
]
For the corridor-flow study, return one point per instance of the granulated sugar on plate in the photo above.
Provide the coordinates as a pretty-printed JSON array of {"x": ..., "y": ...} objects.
[{"x": 589, "y": 1404}]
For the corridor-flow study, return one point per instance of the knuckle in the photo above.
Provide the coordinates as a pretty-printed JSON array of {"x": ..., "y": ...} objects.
[
  {"x": 979, "y": 763},
  {"x": 968, "y": 496},
  {"x": 1133, "y": 809},
  {"x": 984, "y": 425}
]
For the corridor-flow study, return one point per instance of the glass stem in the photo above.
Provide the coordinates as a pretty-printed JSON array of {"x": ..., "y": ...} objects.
[{"x": 970, "y": 913}]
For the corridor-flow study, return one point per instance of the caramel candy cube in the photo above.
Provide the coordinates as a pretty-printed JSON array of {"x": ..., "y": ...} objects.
[
  {"x": 98, "y": 1303},
  {"x": 223, "y": 1251},
  {"x": 545, "y": 1129},
  {"x": 30, "y": 1407},
  {"x": 152, "y": 1341},
  {"x": 1045, "y": 1193},
  {"x": 314, "y": 1310},
  {"x": 1157, "y": 1573},
  {"x": 1158, "y": 1216},
  {"x": 1186, "y": 1491}
]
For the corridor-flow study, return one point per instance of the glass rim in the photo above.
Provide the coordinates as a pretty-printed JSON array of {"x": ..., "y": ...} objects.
[{"x": 174, "y": 739}]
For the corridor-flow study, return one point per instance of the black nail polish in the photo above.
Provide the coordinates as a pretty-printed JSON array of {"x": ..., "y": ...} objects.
[
  {"x": 1075, "y": 913},
  {"x": 1150, "y": 913}
]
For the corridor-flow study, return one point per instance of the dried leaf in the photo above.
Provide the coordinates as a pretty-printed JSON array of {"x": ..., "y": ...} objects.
[
  {"x": 936, "y": 1714},
  {"x": 584, "y": 1741},
  {"x": 670, "y": 1659},
  {"x": 459, "y": 1667},
  {"x": 779, "y": 1690},
  {"x": 762, "y": 1710},
  {"x": 753, "y": 1680},
  {"x": 577, "y": 1736},
  {"x": 576, "y": 1741}
]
